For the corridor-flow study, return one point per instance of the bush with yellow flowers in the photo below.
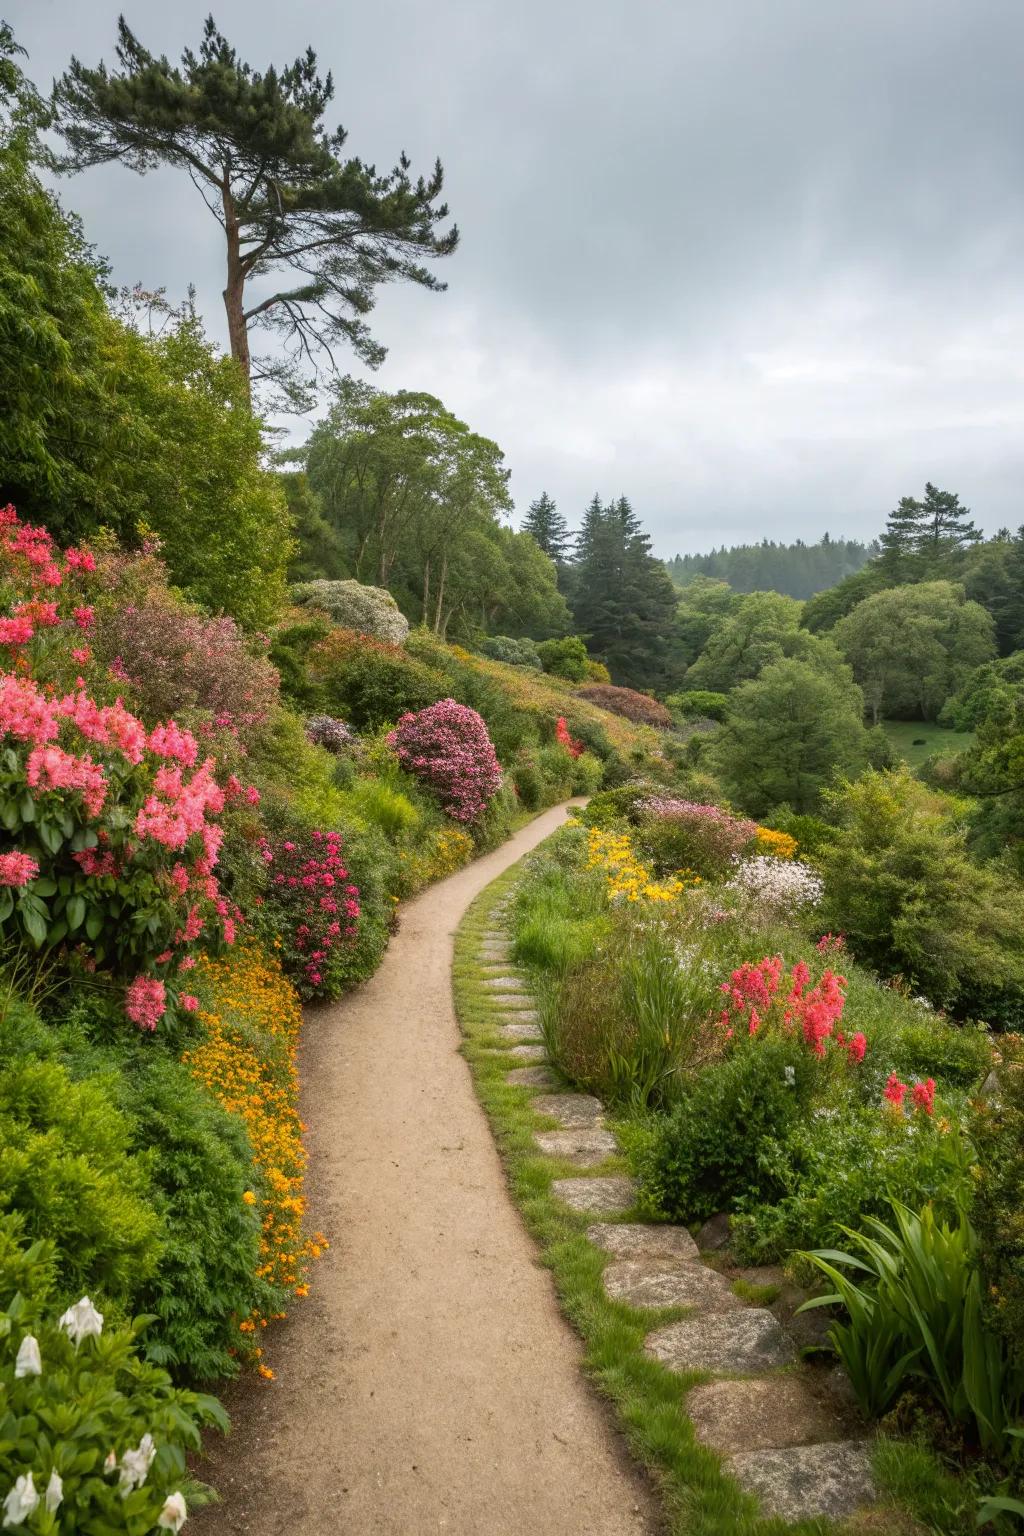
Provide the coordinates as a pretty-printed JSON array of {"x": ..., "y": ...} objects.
[
  {"x": 251, "y": 1017},
  {"x": 626, "y": 878}
]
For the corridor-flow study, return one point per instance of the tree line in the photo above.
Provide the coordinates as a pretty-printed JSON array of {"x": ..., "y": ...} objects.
[{"x": 797, "y": 569}]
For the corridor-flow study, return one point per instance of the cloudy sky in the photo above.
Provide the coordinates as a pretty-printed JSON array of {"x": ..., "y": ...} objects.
[{"x": 755, "y": 263}]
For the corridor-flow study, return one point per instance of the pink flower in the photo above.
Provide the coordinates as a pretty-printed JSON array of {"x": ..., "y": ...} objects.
[
  {"x": 81, "y": 654},
  {"x": 17, "y": 868},
  {"x": 895, "y": 1091},
  {"x": 146, "y": 1001},
  {"x": 188, "y": 1002},
  {"x": 85, "y": 617},
  {"x": 856, "y": 1047},
  {"x": 923, "y": 1095},
  {"x": 50, "y": 768},
  {"x": 18, "y": 631}
]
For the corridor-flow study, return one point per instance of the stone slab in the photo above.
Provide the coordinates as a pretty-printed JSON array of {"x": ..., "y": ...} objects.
[
  {"x": 668, "y": 1283},
  {"x": 715, "y": 1233},
  {"x": 773, "y": 1413},
  {"x": 736, "y": 1343},
  {"x": 521, "y": 1030},
  {"x": 641, "y": 1240},
  {"x": 504, "y": 983},
  {"x": 586, "y": 1145},
  {"x": 532, "y": 1077},
  {"x": 529, "y": 1053},
  {"x": 599, "y": 1197},
  {"x": 807, "y": 1482},
  {"x": 571, "y": 1110}
]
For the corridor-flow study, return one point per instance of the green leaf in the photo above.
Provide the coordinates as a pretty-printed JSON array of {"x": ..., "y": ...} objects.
[
  {"x": 75, "y": 912},
  {"x": 36, "y": 926}
]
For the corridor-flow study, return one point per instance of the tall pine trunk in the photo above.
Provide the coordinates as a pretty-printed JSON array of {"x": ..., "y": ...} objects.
[{"x": 234, "y": 293}]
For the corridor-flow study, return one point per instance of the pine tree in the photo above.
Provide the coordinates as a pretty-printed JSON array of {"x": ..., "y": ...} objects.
[
  {"x": 548, "y": 528},
  {"x": 255, "y": 147},
  {"x": 904, "y": 529},
  {"x": 946, "y": 525}
]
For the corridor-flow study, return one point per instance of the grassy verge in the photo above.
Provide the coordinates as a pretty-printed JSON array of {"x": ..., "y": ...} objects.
[
  {"x": 916, "y": 740},
  {"x": 649, "y": 1400}
]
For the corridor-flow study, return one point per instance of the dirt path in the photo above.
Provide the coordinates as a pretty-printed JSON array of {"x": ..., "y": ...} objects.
[{"x": 429, "y": 1382}]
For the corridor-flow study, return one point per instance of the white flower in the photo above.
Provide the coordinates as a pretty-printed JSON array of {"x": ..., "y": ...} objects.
[
  {"x": 21, "y": 1502},
  {"x": 174, "y": 1513},
  {"x": 783, "y": 884},
  {"x": 110, "y": 1465},
  {"x": 82, "y": 1321},
  {"x": 136, "y": 1464},
  {"x": 28, "y": 1362},
  {"x": 54, "y": 1491},
  {"x": 790, "y": 1076}
]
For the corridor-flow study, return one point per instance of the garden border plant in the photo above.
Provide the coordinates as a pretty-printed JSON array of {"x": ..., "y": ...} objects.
[{"x": 649, "y": 1400}]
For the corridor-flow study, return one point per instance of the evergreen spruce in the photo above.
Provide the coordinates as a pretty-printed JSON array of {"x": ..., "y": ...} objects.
[
  {"x": 548, "y": 528},
  {"x": 623, "y": 601}
]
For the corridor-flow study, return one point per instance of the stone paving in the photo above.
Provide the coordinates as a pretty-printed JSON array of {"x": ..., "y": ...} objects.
[{"x": 785, "y": 1433}]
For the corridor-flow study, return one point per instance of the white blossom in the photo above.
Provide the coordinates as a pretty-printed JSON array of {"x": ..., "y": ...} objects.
[
  {"x": 174, "y": 1513},
  {"x": 785, "y": 885},
  {"x": 110, "y": 1465},
  {"x": 28, "y": 1362},
  {"x": 54, "y": 1491},
  {"x": 21, "y": 1502},
  {"x": 135, "y": 1465},
  {"x": 790, "y": 1076},
  {"x": 82, "y": 1321}
]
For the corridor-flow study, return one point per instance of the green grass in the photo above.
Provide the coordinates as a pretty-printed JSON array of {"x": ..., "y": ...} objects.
[
  {"x": 648, "y": 1399},
  {"x": 935, "y": 738}
]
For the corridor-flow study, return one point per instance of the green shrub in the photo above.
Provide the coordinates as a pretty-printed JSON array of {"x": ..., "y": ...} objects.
[
  {"x": 290, "y": 650},
  {"x": 369, "y": 683},
  {"x": 67, "y": 1169},
  {"x": 351, "y": 605},
  {"x": 385, "y": 807},
  {"x": 91, "y": 1396},
  {"x": 842, "y": 1165},
  {"x": 515, "y": 653},
  {"x": 200, "y": 1165},
  {"x": 813, "y": 836},
  {"x": 707, "y": 1154},
  {"x": 528, "y": 778},
  {"x": 701, "y": 704},
  {"x": 564, "y": 658},
  {"x": 587, "y": 775}
]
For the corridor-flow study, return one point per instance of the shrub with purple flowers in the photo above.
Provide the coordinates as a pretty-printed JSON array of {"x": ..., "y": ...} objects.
[
  {"x": 312, "y": 909},
  {"x": 447, "y": 748},
  {"x": 683, "y": 834},
  {"x": 330, "y": 732}
]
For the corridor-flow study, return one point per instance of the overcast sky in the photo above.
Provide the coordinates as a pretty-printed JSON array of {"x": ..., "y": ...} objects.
[{"x": 755, "y": 263}]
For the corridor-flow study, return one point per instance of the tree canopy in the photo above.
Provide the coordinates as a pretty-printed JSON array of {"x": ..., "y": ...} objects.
[
  {"x": 315, "y": 234},
  {"x": 797, "y": 569}
]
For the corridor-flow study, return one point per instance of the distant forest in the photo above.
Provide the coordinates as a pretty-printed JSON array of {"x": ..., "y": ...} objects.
[{"x": 798, "y": 570}]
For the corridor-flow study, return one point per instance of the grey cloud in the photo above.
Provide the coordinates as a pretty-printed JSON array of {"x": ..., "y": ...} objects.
[{"x": 756, "y": 265}]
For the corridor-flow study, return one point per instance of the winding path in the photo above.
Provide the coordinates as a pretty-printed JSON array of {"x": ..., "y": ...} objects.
[{"x": 429, "y": 1383}]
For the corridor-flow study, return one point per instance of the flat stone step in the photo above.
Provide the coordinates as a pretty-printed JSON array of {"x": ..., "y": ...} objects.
[
  {"x": 739, "y": 1343},
  {"x": 518, "y": 1008},
  {"x": 504, "y": 983},
  {"x": 599, "y": 1197},
  {"x": 641, "y": 1240},
  {"x": 668, "y": 1283},
  {"x": 586, "y": 1146},
  {"x": 772, "y": 1413},
  {"x": 496, "y": 949},
  {"x": 571, "y": 1110},
  {"x": 807, "y": 1482},
  {"x": 521, "y": 1030},
  {"x": 532, "y": 1077},
  {"x": 529, "y": 1053}
]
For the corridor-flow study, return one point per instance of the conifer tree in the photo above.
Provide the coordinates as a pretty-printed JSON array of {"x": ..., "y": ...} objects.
[
  {"x": 904, "y": 529},
  {"x": 623, "y": 599},
  {"x": 946, "y": 525},
  {"x": 327, "y": 232},
  {"x": 548, "y": 528}
]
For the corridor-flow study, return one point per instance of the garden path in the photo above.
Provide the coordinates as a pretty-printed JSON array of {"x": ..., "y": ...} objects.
[{"x": 429, "y": 1383}]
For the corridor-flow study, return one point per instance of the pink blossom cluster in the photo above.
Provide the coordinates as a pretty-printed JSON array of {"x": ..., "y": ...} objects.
[
  {"x": 922, "y": 1095},
  {"x": 30, "y": 563},
  {"x": 145, "y": 1001},
  {"x": 17, "y": 868},
  {"x": 705, "y": 838},
  {"x": 312, "y": 903},
  {"x": 757, "y": 997},
  {"x": 446, "y": 747}
]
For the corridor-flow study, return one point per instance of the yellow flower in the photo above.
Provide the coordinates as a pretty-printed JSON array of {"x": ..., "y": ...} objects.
[{"x": 249, "y": 1197}]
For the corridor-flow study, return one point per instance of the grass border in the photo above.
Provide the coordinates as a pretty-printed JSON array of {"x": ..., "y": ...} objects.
[{"x": 649, "y": 1400}]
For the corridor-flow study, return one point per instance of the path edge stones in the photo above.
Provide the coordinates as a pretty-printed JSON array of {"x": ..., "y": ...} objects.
[{"x": 694, "y": 1477}]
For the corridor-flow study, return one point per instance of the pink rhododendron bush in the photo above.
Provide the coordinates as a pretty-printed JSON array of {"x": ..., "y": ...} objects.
[
  {"x": 110, "y": 830},
  {"x": 311, "y": 909},
  {"x": 446, "y": 747},
  {"x": 683, "y": 834}
]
